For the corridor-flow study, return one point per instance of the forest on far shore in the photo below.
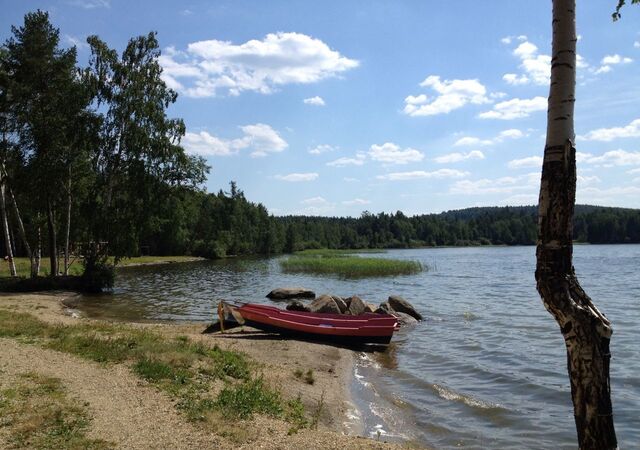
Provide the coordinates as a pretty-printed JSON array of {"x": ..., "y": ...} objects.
[{"x": 226, "y": 223}]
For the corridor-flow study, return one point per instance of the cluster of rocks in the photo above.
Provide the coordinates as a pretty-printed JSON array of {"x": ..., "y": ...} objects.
[{"x": 354, "y": 305}]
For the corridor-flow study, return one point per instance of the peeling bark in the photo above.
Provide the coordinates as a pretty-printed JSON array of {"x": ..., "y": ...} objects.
[{"x": 586, "y": 331}]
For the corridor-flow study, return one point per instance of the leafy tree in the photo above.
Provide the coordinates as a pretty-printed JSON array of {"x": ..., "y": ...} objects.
[
  {"x": 138, "y": 154},
  {"x": 46, "y": 96}
]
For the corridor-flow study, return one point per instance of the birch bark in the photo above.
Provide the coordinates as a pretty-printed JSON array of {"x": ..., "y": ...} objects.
[{"x": 585, "y": 329}]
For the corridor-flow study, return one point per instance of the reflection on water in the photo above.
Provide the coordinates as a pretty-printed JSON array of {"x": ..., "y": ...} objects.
[{"x": 486, "y": 369}]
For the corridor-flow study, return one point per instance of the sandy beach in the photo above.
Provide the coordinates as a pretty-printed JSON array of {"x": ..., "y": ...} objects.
[{"x": 128, "y": 412}]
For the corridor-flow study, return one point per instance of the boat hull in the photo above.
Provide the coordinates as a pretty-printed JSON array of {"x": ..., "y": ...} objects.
[
  {"x": 348, "y": 330},
  {"x": 336, "y": 339}
]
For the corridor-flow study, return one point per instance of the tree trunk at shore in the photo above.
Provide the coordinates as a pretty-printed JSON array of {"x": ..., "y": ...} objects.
[
  {"x": 67, "y": 230},
  {"x": 586, "y": 330},
  {"x": 51, "y": 228},
  {"x": 5, "y": 229},
  {"x": 21, "y": 230}
]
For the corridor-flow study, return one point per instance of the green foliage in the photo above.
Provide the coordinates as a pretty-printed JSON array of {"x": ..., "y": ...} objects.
[
  {"x": 248, "y": 398},
  {"x": 616, "y": 14},
  {"x": 350, "y": 266},
  {"x": 99, "y": 273}
]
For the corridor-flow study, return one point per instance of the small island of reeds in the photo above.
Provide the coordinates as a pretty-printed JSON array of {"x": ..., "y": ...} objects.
[{"x": 348, "y": 265}]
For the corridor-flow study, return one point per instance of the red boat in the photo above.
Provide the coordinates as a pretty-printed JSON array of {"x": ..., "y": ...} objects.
[{"x": 363, "y": 329}]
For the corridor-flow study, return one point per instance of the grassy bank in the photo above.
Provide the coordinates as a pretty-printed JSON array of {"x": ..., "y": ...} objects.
[
  {"x": 209, "y": 385},
  {"x": 349, "y": 266},
  {"x": 23, "y": 265}
]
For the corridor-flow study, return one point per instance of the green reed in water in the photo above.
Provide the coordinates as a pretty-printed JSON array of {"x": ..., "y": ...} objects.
[{"x": 350, "y": 266}]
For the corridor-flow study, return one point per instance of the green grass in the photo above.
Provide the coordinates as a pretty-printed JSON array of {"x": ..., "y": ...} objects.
[
  {"x": 37, "y": 413},
  {"x": 23, "y": 265},
  {"x": 184, "y": 369},
  {"x": 326, "y": 252},
  {"x": 350, "y": 266}
]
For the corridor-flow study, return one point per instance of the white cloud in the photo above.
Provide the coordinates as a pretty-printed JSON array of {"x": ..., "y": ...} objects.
[
  {"x": 583, "y": 181},
  {"x": 515, "y": 79},
  {"x": 633, "y": 171},
  {"x": 615, "y": 195},
  {"x": 206, "y": 144},
  {"x": 342, "y": 162},
  {"x": 350, "y": 180},
  {"x": 316, "y": 101},
  {"x": 259, "y": 137},
  {"x": 322, "y": 148},
  {"x": 468, "y": 141},
  {"x": 502, "y": 185},
  {"x": 636, "y": 44},
  {"x": 615, "y": 158},
  {"x": 451, "y": 95},
  {"x": 209, "y": 67},
  {"x": 297, "y": 177},
  {"x": 78, "y": 42},
  {"x": 391, "y": 153},
  {"x": 421, "y": 174},
  {"x": 511, "y": 133},
  {"x": 611, "y": 60},
  {"x": 456, "y": 157},
  {"x": 536, "y": 67},
  {"x": 615, "y": 59},
  {"x": 315, "y": 201},
  {"x": 515, "y": 108},
  {"x": 90, "y": 4},
  {"x": 356, "y": 201},
  {"x": 609, "y": 134},
  {"x": 529, "y": 162}
]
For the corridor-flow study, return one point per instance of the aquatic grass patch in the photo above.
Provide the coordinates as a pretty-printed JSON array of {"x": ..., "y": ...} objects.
[
  {"x": 350, "y": 266},
  {"x": 330, "y": 252},
  {"x": 37, "y": 413}
]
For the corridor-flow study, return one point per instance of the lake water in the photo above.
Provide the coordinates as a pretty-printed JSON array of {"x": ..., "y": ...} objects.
[{"x": 485, "y": 370}]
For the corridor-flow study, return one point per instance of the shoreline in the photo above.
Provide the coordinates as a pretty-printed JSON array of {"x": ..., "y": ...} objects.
[{"x": 278, "y": 359}]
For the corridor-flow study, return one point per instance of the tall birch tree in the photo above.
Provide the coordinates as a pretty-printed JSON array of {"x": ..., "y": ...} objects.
[{"x": 586, "y": 330}]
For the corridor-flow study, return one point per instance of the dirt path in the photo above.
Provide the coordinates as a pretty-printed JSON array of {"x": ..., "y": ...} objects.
[{"x": 124, "y": 411}]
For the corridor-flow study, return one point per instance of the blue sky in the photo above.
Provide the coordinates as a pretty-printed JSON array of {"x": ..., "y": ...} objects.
[{"x": 335, "y": 107}]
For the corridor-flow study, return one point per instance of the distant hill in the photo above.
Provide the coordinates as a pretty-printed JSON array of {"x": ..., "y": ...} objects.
[{"x": 508, "y": 225}]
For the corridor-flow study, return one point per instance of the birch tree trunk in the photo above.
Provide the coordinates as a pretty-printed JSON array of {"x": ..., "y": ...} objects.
[
  {"x": 67, "y": 230},
  {"x": 23, "y": 234},
  {"x": 5, "y": 230},
  {"x": 585, "y": 329},
  {"x": 51, "y": 228}
]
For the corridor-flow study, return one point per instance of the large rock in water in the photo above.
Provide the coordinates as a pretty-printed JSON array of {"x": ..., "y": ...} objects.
[
  {"x": 297, "y": 306},
  {"x": 341, "y": 304},
  {"x": 324, "y": 304},
  {"x": 405, "y": 319},
  {"x": 369, "y": 307},
  {"x": 356, "y": 305},
  {"x": 287, "y": 293},
  {"x": 384, "y": 308},
  {"x": 399, "y": 304}
]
